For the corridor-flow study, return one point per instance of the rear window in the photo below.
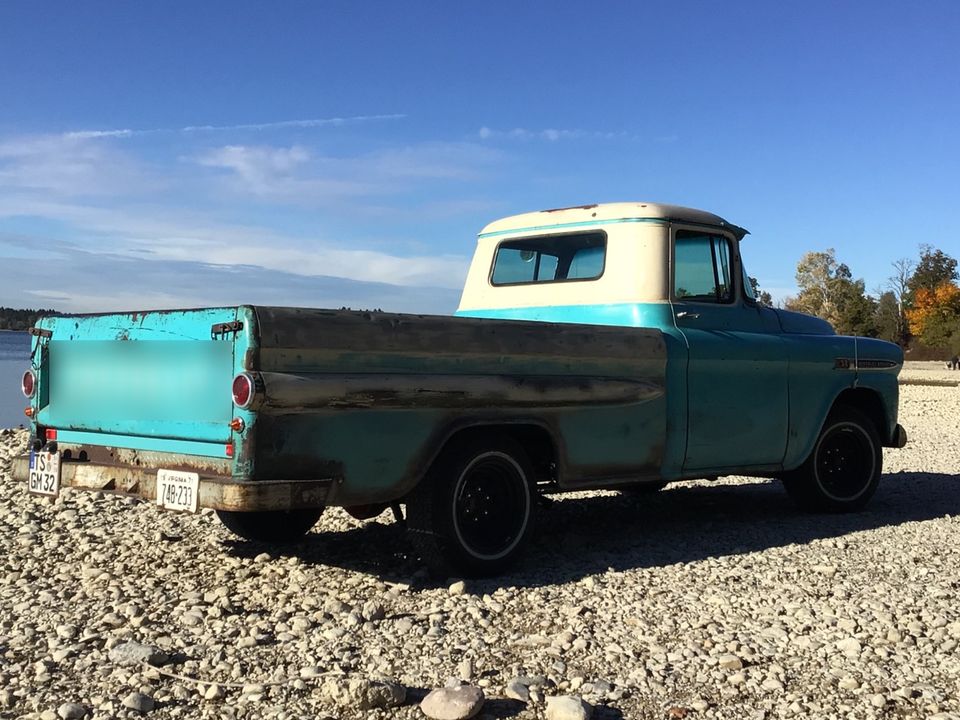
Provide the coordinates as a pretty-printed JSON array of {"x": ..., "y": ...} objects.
[{"x": 556, "y": 258}]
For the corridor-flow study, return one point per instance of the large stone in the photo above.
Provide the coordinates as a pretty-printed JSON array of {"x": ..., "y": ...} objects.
[
  {"x": 453, "y": 703},
  {"x": 138, "y": 702},
  {"x": 730, "y": 662},
  {"x": 71, "y": 711},
  {"x": 134, "y": 653},
  {"x": 365, "y": 693},
  {"x": 568, "y": 707},
  {"x": 516, "y": 690}
]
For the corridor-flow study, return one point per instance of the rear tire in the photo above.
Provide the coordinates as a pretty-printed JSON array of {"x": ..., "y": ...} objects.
[
  {"x": 843, "y": 470},
  {"x": 474, "y": 511},
  {"x": 271, "y": 526}
]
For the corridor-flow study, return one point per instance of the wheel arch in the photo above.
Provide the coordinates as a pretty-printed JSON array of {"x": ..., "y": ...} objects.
[
  {"x": 538, "y": 440},
  {"x": 866, "y": 400}
]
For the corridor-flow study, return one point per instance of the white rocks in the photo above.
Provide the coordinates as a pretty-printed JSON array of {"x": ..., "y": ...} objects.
[
  {"x": 457, "y": 588},
  {"x": 730, "y": 662},
  {"x": 214, "y": 691},
  {"x": 139, "y": 702},
  {"x": 132, "y": 653},
  {"x": 71, "y": 711},
  {"x": 818, "y": 614},
  {"x": 368, "y": 693},
  {"x": 517, "y": 690},
  {"x": 850, "y": 647},
  {"x": 450, "y": 703},
  {"x": 568, "y": 707}
]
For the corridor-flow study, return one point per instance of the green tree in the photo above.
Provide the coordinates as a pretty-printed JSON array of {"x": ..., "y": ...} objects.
[
  {"x": 887, "y": 317},
  {"x": 934, "y": 269},
  {"x": 828, "y": 290},
  {"x": 899, "y": 285},
  {"x": 762, "y": 296}
]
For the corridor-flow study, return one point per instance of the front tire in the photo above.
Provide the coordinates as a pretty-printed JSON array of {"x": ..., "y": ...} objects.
[
  {"x": 474, "y": 511},
  {"x": 271, "y": 526},
  {"x": 843, "y": 471}
]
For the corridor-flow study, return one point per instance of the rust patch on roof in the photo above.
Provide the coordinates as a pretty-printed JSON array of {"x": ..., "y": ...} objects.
[{"x": 572, "y": 207}]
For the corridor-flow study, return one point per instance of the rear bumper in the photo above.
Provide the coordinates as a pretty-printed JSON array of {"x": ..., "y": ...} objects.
[{"x": 218, "y": 493}]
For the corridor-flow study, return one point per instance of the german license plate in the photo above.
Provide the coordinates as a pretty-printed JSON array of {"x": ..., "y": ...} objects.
[
  {"x": 178, "y": 490},
  {"x": 44, "y": 476}
]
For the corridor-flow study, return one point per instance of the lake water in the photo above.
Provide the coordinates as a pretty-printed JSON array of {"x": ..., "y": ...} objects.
[{"x": 14, "y": 359}]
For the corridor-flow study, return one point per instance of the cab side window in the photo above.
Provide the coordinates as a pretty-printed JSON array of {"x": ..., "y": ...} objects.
[{"x": 702, "y": 267}]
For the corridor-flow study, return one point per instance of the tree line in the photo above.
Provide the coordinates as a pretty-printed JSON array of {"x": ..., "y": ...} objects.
[
  {"x": 918, "y": 306},
  {"x": 13, "y": 319}
]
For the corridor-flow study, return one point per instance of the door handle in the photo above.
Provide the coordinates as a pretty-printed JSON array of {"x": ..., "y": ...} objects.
[{"x": 686, "y": 314}]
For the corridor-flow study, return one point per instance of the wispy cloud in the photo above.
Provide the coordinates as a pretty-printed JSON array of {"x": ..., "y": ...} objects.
[
  {"x": 71, "y": 165},
  {"x": 548, "y": 134},
  {"x": 162, "y": 234},
  {"x": 296, "y": 174},
  {"x": 104, "y": 282},
  {"x": 264, "y": 222},
  {"x": 281, "y": 124},
  {"x": 277, "y": 125}
]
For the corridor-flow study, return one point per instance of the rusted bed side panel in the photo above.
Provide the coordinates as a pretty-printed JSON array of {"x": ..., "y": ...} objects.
[
  {"x": 298, "y": 340},
  {"x": 412, "y": 381}
]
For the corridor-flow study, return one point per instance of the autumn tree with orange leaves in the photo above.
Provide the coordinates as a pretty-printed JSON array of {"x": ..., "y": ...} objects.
[{"x": 935, "y": 315}]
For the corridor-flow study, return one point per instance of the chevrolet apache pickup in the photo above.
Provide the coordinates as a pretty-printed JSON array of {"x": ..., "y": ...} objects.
[{"x": 606, "y": 346}]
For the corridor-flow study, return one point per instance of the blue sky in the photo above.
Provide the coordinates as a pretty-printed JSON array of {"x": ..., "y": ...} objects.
[{"x": 347, "y": 153}]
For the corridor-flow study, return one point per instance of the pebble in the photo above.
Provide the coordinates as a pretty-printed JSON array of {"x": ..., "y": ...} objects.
[
  {"x": 71, "y": 711},
  {"x": 730, "y": 662},
  {"x": 138, "y": 702},
  {"x": 450, "y": 703},
  {"x": 132, "y": 653},
  {"x": 516, "y": 690},
  {"x": 568, "y": 707}
]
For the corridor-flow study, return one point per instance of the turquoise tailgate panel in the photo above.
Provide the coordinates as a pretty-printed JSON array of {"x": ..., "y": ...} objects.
[{"x": 153, "y": 375}]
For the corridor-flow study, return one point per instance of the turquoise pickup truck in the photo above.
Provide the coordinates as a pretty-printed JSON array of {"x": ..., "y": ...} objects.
[{"x": 612, "y": 346}]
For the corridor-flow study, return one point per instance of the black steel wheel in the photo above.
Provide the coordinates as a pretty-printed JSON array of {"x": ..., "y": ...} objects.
[
  {"x": 842, "y": 472},
  {"x": 474, "y": 511},
  {"x": 271, "y": 526}
]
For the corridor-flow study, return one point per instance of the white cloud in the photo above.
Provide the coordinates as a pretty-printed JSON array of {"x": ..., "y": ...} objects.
[
  {"x": 282, "y": 124},
  {"x": 548, "y": 134},
  {"x": 69, "y": 165},
  {"x": 159, "y": 234},
  {"x": 294, "y": 174},
  {"x": 105, "y": 282},
  {"x": 277, "y": 125}
]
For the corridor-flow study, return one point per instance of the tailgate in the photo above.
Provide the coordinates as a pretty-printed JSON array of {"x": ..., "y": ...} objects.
[{"x": 157, "y": 374}]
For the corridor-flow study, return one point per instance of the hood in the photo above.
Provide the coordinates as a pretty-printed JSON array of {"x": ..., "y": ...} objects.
[{"x": 797, "y": 323}]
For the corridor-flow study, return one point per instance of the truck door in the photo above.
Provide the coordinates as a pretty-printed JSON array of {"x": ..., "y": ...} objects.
[{"x": 737, "y": 375}]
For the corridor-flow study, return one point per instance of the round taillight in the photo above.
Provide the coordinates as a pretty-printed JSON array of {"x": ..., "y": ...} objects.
[
  {"x": 243, "y": 389},
  {"x": 28, "y": 383}
]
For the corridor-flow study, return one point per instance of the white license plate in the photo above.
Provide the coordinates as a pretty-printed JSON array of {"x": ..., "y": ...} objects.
[
  {"x": 44, "y": 476},
  {"x": 178, "y": 490}
]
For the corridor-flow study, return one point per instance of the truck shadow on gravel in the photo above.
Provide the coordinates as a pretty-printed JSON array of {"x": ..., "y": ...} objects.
[{"x": 578, "y": 537}]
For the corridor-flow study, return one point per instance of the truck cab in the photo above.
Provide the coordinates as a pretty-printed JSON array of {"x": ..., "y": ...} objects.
[{"x": 740, "y": 375}]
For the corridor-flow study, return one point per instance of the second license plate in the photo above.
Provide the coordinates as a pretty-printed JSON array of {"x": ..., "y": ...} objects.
[{"x": 44, "y": 473}]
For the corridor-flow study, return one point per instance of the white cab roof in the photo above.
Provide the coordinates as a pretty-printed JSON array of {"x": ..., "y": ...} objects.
[{"x": 605, "y": 212}]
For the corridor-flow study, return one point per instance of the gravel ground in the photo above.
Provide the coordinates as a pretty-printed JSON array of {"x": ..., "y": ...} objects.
[{"x": 706, "y": 600}]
